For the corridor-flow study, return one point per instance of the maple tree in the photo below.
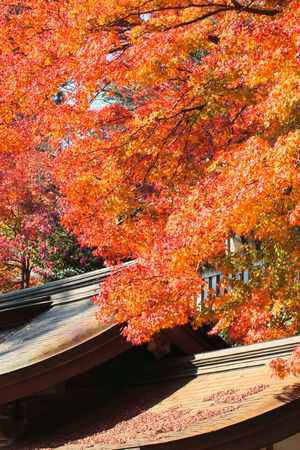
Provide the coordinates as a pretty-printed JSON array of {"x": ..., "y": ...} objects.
[
  {"x": 34, "y": 247},
  {"x": 26, "y": 218},
  {"x": 198, "y": 142}
]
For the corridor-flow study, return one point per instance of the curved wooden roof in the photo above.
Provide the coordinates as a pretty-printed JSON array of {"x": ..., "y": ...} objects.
[
  {"x": 221, "y": 400},
  {"x": 59, "y": 341},
  {"x": 49, "y": 334}
]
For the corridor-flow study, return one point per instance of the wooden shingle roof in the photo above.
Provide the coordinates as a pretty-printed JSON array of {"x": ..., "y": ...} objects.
[
  {"x": 221, "y": 400},
  {"x": 58, "y": 341},
  {"x": 50, "y": 333}
]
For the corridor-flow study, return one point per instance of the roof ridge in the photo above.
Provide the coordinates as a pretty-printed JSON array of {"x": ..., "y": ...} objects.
[
  {"x": 40, "y": 294},
  {"x": 223, "y": 360}
]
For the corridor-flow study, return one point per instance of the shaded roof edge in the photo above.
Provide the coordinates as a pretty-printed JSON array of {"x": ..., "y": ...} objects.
[{"x": 224, "y": 360}]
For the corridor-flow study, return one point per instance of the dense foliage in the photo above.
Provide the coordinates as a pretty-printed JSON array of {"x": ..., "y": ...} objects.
[
  {"x": 34, "y": 247},
  {"x": 200, "y": 141},
  {"x": 26, "y": 218}
]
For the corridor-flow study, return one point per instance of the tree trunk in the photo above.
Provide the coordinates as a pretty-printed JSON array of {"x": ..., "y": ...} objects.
[{"x": 25, "y": 274}]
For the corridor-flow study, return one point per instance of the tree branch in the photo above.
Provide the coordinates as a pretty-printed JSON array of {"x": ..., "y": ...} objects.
[{"x": 260, "y": 11}]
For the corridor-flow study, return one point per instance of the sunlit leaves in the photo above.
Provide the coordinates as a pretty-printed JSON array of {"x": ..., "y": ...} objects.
[
  {"x": 283, "y": 367},
  {"x": 199, "y": 142}
]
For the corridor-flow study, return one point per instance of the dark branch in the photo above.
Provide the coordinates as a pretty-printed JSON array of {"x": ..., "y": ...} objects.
[
  {"x": 260, "y": 11},
  {"x": 221, "y": 7}
]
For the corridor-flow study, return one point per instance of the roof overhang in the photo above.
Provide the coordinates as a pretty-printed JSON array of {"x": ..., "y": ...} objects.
[
  {"x": 223, "y": 400},
  {"x": 50, "y": 333},
  {"x": 55, "y": 335}
]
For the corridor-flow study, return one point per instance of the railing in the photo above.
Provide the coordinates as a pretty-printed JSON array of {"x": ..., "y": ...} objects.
[
  {"x": 213, "y": 281},
  {"x": 213, "y": 278}
]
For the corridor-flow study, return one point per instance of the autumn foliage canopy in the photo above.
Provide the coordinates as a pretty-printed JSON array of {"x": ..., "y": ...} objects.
[
  {"x": 27, "y": 217},
  {"x": 171, "y": 125}
]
